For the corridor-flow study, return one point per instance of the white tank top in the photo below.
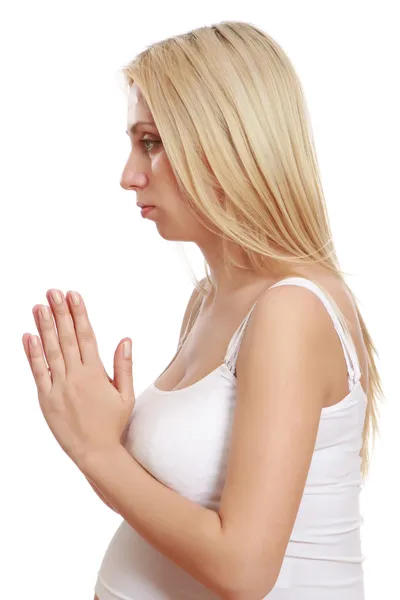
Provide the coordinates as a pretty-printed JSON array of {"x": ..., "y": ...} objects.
[{"x": 182, "y": 438}]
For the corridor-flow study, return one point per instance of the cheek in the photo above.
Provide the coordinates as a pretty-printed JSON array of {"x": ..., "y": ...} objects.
[
  {"x": 165, "y": 181},
  {"x": 161, "y": 167},
  {"x": 179, "y": 222},
  {"x": 162, "y": 170}
]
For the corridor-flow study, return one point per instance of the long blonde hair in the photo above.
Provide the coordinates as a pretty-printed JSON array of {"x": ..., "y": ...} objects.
[{"x": 234, "y": 123}]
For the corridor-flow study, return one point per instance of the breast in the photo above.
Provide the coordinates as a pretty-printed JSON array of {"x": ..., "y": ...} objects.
[{"x": 182, "y": 438}]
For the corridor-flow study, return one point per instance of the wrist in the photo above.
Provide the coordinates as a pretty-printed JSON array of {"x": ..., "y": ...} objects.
[{"x": 93, "y": 461}]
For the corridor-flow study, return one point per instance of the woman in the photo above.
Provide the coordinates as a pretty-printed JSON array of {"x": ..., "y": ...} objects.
[
  {"x": 272, "y": 438},
  {"x": 256, "y": 434}
]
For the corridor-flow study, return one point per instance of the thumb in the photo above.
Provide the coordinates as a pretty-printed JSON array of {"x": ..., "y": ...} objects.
[{"x": 123, "y": 377}]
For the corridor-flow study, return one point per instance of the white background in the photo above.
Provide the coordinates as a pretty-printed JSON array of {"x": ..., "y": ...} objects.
[{"x": 67, "y": 223}]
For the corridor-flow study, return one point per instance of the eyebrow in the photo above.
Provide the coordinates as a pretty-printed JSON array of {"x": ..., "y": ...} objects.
[{"x": 136, "y": 125}]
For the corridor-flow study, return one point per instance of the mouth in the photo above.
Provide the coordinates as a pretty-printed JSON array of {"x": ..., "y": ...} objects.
[
  {"x": 146, "y": 209},
  {"x": 142, "y": 205}
]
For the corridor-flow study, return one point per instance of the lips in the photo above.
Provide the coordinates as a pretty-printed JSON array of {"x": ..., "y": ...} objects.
[{"x": 146, "y": 210}]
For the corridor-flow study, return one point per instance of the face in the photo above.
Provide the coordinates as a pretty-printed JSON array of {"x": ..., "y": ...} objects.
[{"x": 148, "y": 172}]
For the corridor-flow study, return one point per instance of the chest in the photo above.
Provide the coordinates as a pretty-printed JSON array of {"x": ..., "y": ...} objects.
[{"x": 201, "y": 353}]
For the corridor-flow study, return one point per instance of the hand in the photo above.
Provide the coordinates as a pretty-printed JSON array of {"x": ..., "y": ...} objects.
[{"x": 85, "y": 410}]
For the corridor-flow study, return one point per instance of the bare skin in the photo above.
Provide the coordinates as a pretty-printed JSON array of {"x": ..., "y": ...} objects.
[
  {"x": 148, "y": 173},
  {"x": 207, "y": 342}
]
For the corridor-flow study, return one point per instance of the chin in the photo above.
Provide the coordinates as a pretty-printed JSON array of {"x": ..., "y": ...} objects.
[{"x": 173, "y": 236}]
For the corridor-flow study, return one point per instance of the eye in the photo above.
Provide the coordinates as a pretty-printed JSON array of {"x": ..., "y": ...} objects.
[{"x": 144, "y": 141}]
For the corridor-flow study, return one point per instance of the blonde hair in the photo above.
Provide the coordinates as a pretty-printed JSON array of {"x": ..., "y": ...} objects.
[{"x": 234, "y": 123}]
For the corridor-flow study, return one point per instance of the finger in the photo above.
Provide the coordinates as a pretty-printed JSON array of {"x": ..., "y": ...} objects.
[
  {"x": 26, "y": 336},
  {"x": 51, "y": 346},
  {"x": 38, "y": 365},
  {"x": 67, "y": 339},
  {"x": 84, "y": 332},
  {"x": 35, "y": 311},
  {"x": 25, "y": 341}
]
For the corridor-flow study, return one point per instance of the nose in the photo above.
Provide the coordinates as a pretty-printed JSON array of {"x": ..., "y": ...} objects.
[{"x": 132, "y": 179}]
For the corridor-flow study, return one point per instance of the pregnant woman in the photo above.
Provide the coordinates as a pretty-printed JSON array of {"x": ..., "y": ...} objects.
[{"x": 238, "y": 471}]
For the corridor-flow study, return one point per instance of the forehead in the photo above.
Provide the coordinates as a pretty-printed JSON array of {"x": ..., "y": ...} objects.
[{"x": 137, "y": 106}]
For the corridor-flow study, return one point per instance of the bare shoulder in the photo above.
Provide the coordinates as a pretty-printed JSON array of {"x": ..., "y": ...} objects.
[
  {"x": 291, "y": 314},
  {"x": 340, "y": 294}
]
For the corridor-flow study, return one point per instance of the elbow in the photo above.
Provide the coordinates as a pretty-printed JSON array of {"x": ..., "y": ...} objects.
[
  {"x": 240, "y": 592},
  {"x": 242, "y": 581}
]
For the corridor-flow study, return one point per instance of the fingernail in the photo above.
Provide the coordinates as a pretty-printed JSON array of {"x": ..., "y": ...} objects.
[
  {"x": 56, "y": 296},
  {"x": 127, "y": 349},
  {"x": 45, "y": 313},
  {"x": 75, "y": 298}
]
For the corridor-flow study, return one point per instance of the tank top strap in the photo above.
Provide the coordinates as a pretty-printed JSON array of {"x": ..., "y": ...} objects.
[
  {"x": 234, "y": 344},
  {"x": 350, "y": 353}
]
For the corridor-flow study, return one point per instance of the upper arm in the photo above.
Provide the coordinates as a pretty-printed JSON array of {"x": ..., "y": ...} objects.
[{"x": 281, "y": 388}]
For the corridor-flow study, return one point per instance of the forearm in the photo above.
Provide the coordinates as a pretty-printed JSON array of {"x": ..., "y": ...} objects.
[
  {"x": 100, "y": 495},
  {"x": 184, "y": 531}
]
